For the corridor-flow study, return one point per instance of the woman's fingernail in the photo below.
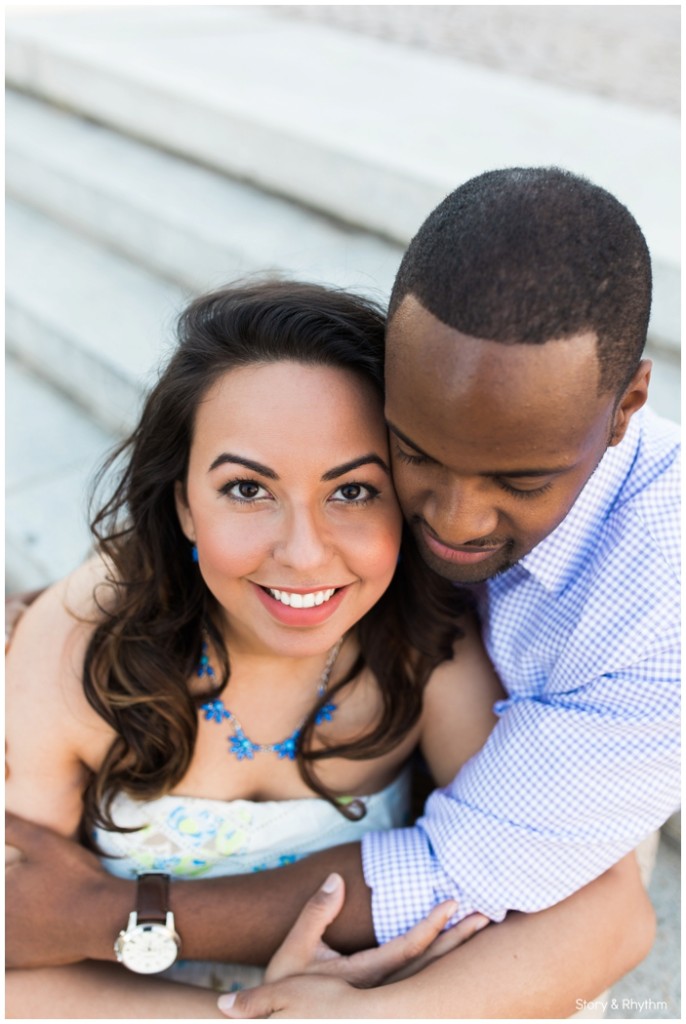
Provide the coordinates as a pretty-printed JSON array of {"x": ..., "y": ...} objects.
[
  {"x": 332, "y": 883},
  {"x": 226, "y": 1002},
  {"x": 482, "y": 924}
]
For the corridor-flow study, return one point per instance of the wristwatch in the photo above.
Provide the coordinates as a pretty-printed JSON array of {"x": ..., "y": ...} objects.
[{"x": 149, "y": 943}]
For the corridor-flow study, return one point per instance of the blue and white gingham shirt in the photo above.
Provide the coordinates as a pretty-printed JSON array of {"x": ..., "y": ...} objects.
[{"x": 584, "y": 760}]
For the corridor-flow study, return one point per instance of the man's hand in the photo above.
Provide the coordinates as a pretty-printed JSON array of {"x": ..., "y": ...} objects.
[
  {"x": 51, "y": 887},
  {"x": 303, "y": 952}
]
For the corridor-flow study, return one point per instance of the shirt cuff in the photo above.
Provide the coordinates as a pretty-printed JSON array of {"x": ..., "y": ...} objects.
[{"x": 400, "y": 869}]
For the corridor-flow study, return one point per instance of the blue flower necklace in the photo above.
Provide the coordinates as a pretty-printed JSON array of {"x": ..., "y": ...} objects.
[{"x": 239, "y": 744}]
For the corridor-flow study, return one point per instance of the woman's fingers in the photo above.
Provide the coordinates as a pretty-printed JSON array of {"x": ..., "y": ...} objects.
[
  {"x": 303, "y": 946},
  {"x": 444, "y": 943},
  {"x": 373, "y": 966}
]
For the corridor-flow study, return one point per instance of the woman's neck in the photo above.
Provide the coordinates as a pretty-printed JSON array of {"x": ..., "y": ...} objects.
[{"x": 260, "y": 669}]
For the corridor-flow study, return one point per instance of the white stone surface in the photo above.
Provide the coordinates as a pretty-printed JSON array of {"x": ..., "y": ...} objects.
[
  {"x": 194, "y": 226},
  {"x": 176, "y": 218},
  {"x": 97, "y": 325},
  {"x": 630, "y": 53},
  {"x": 665, "y": 384},
  {"x": 94, "y": 324},
  {"x": 53, "y": 450},
  {"x": 373, "y": 132}
]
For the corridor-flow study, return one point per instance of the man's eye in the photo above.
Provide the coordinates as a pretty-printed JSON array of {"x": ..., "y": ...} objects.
[
  {"x": 412, "y": 460},
  {"x": 524, "y": 492}
]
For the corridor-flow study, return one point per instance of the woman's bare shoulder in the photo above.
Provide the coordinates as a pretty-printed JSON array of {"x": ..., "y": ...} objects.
[
  {"x": 87, "y": 590},
  {"x": 54, "y": 738},
  {"x": 44, "y": 665},
  {"x": 72, "y": 603}
]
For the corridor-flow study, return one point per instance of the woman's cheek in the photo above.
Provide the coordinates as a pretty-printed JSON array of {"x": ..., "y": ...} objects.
[
  {"x": 233, "y": 549},
  {"x": 379, "y": 546}
]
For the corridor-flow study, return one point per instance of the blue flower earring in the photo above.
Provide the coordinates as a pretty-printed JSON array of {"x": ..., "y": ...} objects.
[{"x": 194, "y": 553}]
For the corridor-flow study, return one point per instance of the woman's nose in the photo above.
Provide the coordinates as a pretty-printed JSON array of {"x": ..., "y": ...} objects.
[{"x": 304, "y": 544}]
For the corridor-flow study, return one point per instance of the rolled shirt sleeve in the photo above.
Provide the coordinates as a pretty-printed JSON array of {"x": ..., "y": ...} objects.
[{"x": 562, "y": 790}]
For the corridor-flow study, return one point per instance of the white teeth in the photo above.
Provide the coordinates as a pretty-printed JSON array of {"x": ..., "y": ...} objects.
[{"x": 302, "y": 600}]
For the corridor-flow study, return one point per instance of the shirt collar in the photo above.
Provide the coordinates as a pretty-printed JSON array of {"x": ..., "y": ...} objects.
[{"x": 560, "y": 556}]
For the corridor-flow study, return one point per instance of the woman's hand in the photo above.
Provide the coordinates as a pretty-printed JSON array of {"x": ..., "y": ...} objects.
[
  {"x": 303, "y": 997},
  {"x": 304, "y": 951},
  {"x": 307, "y": 979}
]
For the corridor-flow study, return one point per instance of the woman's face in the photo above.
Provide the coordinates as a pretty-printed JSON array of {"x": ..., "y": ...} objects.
[{"x": 290, "y": 503}]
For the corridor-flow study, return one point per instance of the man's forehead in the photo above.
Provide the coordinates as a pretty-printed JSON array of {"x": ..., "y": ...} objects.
[
  {"x": 446, "y": 389},
  {"x": 413, "y": 329},
  {"x": 463, "y": 370}
]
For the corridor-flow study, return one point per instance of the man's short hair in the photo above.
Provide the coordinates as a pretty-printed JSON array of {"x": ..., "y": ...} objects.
[{"x": 527, "y": 255}]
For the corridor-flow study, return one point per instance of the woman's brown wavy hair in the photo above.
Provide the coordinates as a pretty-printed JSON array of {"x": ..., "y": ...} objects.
[{"x": 155, "y": 605}]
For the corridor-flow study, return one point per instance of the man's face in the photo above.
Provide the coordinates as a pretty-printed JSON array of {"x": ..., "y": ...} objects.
[{"x": 491, "y": 444}]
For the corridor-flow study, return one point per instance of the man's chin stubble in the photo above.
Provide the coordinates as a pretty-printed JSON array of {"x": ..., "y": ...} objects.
[{"x": 456, "y": 574}]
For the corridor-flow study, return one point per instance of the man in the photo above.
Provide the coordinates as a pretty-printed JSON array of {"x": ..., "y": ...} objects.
[{"x": 529, "y": 471}]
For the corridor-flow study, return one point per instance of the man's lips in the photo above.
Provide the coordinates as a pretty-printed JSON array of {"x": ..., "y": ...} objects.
[{"x": 461, "y": 554}]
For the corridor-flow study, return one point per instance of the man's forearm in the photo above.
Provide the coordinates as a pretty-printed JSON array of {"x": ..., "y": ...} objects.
[
  {"x": 241, "y": 918},
  {"x": 535, "y": 965},
  {"x": 246, "y": 917},
  {"x": 62, "y": 907}
]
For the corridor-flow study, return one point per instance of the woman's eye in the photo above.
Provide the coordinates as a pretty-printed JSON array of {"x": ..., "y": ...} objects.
[
  {"x": 355, "y": 494},
  {"x": 244, "y": 490}
]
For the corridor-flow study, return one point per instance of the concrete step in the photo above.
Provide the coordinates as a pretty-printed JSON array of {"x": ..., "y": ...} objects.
[
  {"x": 93, "y": 323},
  {"x": 97, "y": 325},
  {"x": 371, "y": 132},
  {"x": 52, "y": 451},
  {"x": 182, "y": 221}
]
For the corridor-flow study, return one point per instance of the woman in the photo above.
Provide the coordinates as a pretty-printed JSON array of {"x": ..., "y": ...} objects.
[{"x": 241, "y": 676}]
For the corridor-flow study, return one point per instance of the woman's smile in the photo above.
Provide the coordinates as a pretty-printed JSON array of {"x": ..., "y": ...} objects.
[
  {"x": 301, "y": 609},
  {"x": 301, "y": 598}
]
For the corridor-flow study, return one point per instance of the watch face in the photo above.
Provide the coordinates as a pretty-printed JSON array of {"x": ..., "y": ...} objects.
[{"x": 148, "y": 948}]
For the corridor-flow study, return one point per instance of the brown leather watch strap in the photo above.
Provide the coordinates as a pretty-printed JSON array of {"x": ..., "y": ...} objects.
[{"x": 152, "y": 897}]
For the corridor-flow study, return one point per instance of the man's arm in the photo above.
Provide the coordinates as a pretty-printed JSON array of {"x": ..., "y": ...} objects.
[
  {"x": 538, "y": 965},
  {"x": 566, "y": 785},
  {"x": 82, "y": 908},
  {"x": 584, "y": 944}
]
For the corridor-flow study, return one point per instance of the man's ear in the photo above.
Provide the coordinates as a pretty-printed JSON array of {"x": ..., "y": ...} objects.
[
  {"x": 634, "y": 397},
  {"x": 183, "y": 511}
]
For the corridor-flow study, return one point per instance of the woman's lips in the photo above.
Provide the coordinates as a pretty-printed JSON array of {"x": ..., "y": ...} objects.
[
  {"x": 460, "y": 555},
  {"x": 289, "y": 616}
]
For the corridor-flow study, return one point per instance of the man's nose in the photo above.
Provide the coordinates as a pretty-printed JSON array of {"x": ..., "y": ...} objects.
[{"x": 463, "y": 511}]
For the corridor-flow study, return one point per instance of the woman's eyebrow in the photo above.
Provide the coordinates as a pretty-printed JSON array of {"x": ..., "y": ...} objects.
[
  {"x": 256, "y": 467},
  {"x": 346, "y": 467}
]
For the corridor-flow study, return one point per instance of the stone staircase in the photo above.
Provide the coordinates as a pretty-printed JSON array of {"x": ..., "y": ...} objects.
[{"x": 153, "y": 153}]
